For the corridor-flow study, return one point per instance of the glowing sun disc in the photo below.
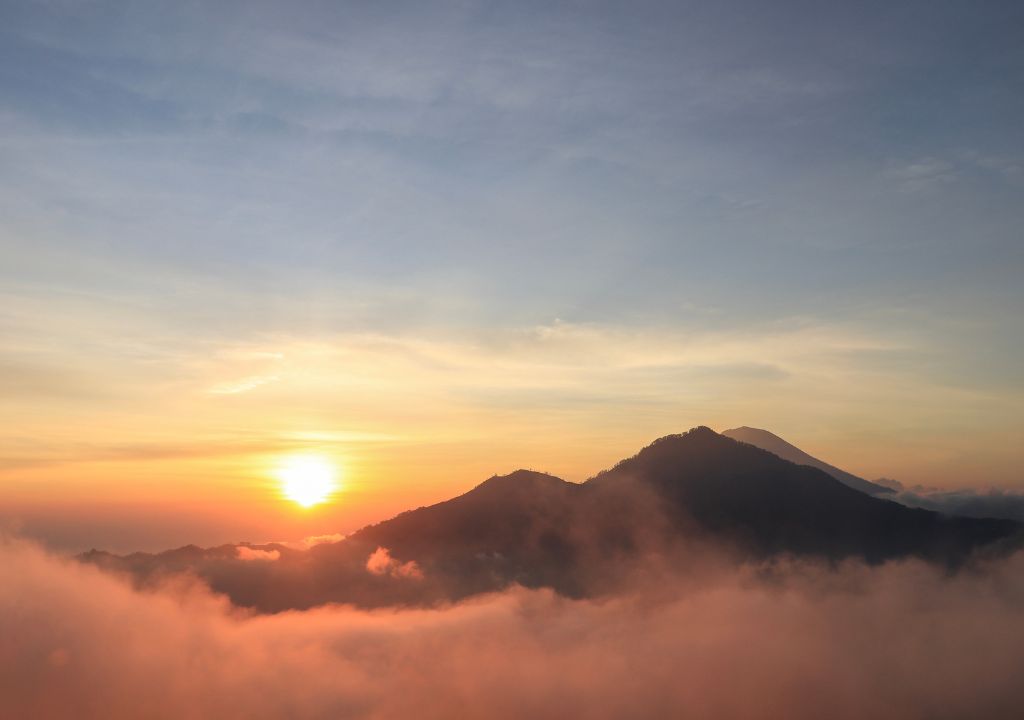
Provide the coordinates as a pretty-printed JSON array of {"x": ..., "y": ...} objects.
[{"x": 306, "y": 479}]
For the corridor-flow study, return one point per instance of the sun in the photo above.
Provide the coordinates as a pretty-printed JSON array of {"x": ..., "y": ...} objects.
[{"x": 307, "y": 479}]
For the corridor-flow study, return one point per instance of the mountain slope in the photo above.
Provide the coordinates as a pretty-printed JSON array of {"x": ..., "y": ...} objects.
[
  {"x": 510, "y": 528},
  {"x": 768, "y": 505},
  {"x": 776, "y": 445}
]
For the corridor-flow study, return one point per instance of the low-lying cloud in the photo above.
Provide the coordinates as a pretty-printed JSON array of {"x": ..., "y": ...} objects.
[
  {"x": 991, "y": 503},
  {"x": 790, "y": 640},
  {"x": 244, "y": 552},
  {"x": 380, "y": 562}
]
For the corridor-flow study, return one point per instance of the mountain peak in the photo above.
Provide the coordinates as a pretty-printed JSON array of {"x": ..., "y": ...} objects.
[
  {"x": 696, "y": 432},
  {"x": 520, "y": 483},
  {"x": 699, "y": 446},
  {"x": 777, "y": 446},
  {"x": 748, "y": 430},
  {"x": 700, "y": 432},
  {"x": 699, "y": 436},
  {"x": 523, "y": 476}
]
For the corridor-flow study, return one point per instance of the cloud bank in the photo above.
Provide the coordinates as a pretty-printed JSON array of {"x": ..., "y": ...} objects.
[
  {"x": 990, "y": 503},
  {"x": 791, "y": 640}
]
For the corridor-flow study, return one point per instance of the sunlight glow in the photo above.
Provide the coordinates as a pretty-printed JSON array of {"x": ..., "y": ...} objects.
[{"x": 307, "y": 479}]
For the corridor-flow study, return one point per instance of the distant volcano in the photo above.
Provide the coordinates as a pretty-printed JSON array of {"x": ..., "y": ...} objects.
[{"x": 777, "y": 446}]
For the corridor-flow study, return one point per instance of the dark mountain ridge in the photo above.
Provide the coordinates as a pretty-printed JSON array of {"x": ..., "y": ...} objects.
[{"x": 537, "y": 530}]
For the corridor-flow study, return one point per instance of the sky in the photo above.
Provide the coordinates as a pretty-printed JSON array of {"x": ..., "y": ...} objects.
[{"x": 432, "y": 242}]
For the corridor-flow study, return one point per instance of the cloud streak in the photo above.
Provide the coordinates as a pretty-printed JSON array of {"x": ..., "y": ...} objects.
[
  {"x": 244, "y": 552},
  {"x": 243, "y": 385}
]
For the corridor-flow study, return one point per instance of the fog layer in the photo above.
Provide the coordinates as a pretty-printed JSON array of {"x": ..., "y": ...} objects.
[{"x": 788, "y": 640}]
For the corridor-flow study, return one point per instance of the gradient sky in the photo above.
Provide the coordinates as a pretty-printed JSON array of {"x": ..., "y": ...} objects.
[{"x": 437, "y": 241}]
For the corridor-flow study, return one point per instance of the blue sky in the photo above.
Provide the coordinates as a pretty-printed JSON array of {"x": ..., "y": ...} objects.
[{"x": 824, "y": 198}]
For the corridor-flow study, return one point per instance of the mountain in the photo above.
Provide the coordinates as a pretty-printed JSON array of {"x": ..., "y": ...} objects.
[
  {"x": 579, "y": 539},
  {"x": 510, "y": 528},
  {"x": 776, "y": 445},
  {"x": 765, "y": 505}
]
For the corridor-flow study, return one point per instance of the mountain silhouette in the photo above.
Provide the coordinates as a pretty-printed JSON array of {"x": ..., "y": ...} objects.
[
  {"x": 768, "y": 505},
  {"x": 537, "y": 530},
  {"x": 777, "y": 446}
]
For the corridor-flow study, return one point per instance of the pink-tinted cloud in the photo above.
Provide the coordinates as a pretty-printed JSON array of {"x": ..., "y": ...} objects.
[
  {"x": 314, "y": 540},
  {"x": 244, "y": 552},
  {"x": 792, "y": 641},
  {"x": 380, "y": 562}
]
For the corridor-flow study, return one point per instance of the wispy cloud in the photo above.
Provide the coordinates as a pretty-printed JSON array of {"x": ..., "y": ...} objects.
[
  {"x": 923, "y": 174},
  {"x": 243, "y": 385},
  {"x": 244, "y": 552}
]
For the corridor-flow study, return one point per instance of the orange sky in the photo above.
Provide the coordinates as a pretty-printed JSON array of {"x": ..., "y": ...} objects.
[
  {"x": 445, "y": 243},
  {"x": 196, "y": 434}
]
